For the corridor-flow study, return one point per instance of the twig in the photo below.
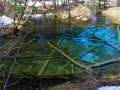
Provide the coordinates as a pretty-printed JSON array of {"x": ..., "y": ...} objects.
[
  {"x": 6, "y": 81},
  {"x": 8, "y": 76}
]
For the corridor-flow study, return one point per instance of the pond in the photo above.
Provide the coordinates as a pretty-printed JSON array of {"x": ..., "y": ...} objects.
[
  {"x": 56, "y": 47},
  {"x": 88, "y": 43}
]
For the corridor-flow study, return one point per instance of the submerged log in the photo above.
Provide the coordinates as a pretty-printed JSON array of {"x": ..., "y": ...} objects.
[
  {"x": 68, "y": 57},
  {"x": 109, "y": 62},
  {"x": 106, "y": 63},
  {"x": 61, "y": 69},
  {"x": 107, "y": 43},
  {"x": 44, "y": 67}
]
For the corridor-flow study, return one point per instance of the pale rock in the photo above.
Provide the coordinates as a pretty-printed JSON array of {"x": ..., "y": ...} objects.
[{"x": 78, "y": 13}]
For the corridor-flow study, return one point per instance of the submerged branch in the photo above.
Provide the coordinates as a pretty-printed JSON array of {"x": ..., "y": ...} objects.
[
  {"x": 42, "y": 71},
  {"x": 106, "y": 63},
  {"x": 109, "y": 44},
  {"x": 65, "y": 66},
  {"x": 68, "y": 57}
]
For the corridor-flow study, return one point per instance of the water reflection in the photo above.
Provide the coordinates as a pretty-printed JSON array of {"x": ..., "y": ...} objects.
[{"x": 100, "y": 20}]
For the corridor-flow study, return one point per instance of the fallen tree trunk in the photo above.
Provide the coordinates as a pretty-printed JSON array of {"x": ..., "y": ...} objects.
[
  {"x": 44, "y": 67},
  {"x": 106, "y": 63},
  {"x": 107, "y": 43},
  {"x": 68, "y": 57}
]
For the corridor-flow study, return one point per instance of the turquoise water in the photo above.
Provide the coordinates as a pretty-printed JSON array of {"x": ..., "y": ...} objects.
[
  {"x": 81, "y": 38},
  {"x": 78, "y": 41},
  {"x": 93, "y": 42}
]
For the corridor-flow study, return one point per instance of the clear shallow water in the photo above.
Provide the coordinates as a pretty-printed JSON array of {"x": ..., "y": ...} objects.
[
  {"x": 81, "y": 38},
  {"x": 77, "y": 41},
  {"x": 104, "y": 32}
]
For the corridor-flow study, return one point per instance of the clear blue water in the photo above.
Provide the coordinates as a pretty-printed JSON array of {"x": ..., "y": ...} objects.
[
  {"x": 104, "y": 32},
  {"x": 77, "y": 41},
  {"x": 82, "y": 38}
]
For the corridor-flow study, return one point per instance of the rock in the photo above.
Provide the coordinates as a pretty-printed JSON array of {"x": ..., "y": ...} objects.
[
  {"x": 118, "y": 3},
  {"x": 113, "y": 3},
  {"x": 78, "y": 13},
  {"x": 65, "y": 16},
  {"x": 84, "y": 19},
  {"x": 77, "y": 18},
  {"x": 113, "y": 14},
  {"x": 90, "y": 2}
]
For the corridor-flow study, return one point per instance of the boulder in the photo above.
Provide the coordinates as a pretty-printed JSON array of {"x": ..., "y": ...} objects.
[
  {"x": 82, "y": 13},
  {"x": 113, "y": 3},
  {"x": 113, "y": 14},
  {"x": 77, "y": 13},
  {"x": 90, "y": 2},
  {"x": 118, "y": 3}
]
